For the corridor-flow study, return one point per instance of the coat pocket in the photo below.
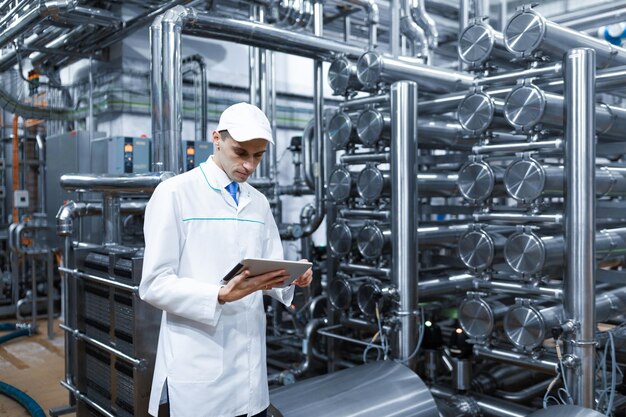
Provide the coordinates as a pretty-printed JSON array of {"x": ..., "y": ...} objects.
[{"x": 197, "y": 351}]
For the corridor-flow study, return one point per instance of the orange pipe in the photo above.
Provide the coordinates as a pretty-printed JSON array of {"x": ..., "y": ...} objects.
[{"x": 16, "y": 167}]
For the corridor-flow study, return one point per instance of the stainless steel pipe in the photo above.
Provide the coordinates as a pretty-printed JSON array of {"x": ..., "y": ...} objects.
[
  {"x": 580, "y": 216},
  {"x": 404, "y": 226},
  {"x": 527, "y": 107},
  {"x": 528, "y": 32},
  {"x": 373, "y": 68},
  {"x": 545, "y": 364},
  {"x": 114, "y": 184},
  {"x": 266, "y": 36},
  {"x": 527, "y": 325},
  {"x": 528, "y": 253},
  {"x": 526, "y": 179}
]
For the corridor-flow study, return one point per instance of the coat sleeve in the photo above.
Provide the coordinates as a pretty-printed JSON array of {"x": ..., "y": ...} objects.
[
  {"x": 273, "y": 249},
  {"x": 161, "y": 286}
]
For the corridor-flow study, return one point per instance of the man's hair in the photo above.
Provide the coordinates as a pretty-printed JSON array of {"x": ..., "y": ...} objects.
[{"x": 224, "y": 134}]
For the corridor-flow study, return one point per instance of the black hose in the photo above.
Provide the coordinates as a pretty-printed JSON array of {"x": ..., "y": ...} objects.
[{"x": 23, "y": 399}]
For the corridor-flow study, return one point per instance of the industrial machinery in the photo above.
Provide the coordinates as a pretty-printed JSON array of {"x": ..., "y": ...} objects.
[{"x": 461, "y": 194}]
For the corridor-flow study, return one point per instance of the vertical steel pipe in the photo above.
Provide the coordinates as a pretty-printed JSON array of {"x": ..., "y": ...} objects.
[
  {"x": 579, "y": 285},
  {"x": 404, "y": 203},
  {"x": 172, "y": 99},
  {"x": 158, "y": 145},
  {"x": 111, "y": 219}
]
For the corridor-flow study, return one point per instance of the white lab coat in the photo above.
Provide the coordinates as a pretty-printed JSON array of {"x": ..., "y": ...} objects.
[{"x": 212, "y": 357}]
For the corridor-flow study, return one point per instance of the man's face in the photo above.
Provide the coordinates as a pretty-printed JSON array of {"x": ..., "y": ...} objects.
[{"x": 237, "y": 159}]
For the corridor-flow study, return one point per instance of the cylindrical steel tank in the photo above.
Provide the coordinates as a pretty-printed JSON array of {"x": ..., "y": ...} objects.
[
  {"x": 373, "y": 240},
  {"x": 341, "y": 185},
  {"x": 528, "y": 107},
  {"x": 373, "y": 126},
  {"x": 342, "y": 76},
  {"x": 526, "y": 179},
  {"x": 341, "y": 130},
  {"x": 479, "y": 249},
  {"x": 372, "y": 183},
  {"x": 480, "y": 43},
  {"x": 528, "y": 32},
  {"x": 341, "y": 238},
  {"x": 478, "y": 112},
  {"x": 479, "y": 317},
  {"x": 478, "y": 181},
  {"x": 382, "y": 388}
]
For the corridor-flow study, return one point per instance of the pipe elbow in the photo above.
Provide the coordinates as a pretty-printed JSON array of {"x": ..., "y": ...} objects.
[{"x": 65, "y": 217}]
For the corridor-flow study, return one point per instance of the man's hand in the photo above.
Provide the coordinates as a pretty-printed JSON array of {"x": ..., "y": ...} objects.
[
  {"x": 242, "y": 284},
  {"x": 305, "y": 279}
]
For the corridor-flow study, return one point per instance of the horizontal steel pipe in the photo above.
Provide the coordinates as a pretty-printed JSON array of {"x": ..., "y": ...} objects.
[
  {"x": 450, "y": 102},
  {"x": 518, "y": 218},
  {"x": 445, "y": 285},
  {"x": 528, "y": 106},
  {"x": 374, "y": 68},
  {"x": 509, "y": 287},
  {"x": 528, "y": 253},
  {"x": 364, "y": 158},
  {"x": 548, "y": 365},
  {"x": 373, "y": 239},
  {"x": 543, "y": 145},
  {"x": 527, "y": 32},
  {"x": 527, "y": 326},
  {"x": 526, "y": 179},
  {"x": 114, "y": 184},
  {"x": 364, "y": 269},
  {"x": 511, "y": 77},
  {"x": 365, "y": 214},
  {"x": 265, "y": 36},
  {"x": 380, "y": 99}
]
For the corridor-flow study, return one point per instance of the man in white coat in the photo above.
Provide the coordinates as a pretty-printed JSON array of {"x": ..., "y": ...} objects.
[{"x": 211, "y": 359}]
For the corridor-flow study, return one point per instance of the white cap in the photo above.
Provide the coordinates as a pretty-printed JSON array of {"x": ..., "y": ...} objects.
[{"x": 245, "y": 122}]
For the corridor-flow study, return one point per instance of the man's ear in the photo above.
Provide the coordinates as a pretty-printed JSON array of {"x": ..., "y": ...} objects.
[{"x": 216, "y": 139}]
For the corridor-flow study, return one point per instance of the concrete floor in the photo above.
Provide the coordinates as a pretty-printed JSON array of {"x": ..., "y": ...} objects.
[{"x": 34, "y": 365}]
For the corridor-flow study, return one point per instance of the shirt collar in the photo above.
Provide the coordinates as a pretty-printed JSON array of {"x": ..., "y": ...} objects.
[{"x": 220, "y": 179}]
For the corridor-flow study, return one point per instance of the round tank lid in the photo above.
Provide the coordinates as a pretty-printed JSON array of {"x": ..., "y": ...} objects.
[
  {"x": 475, "y": 112},
  {"x": 370, "y": 183},
  {"x": 476, "y": 318},
  {"x": 340, "y": 184},
  {"x": 340, "y": 129},
  {"x": 340, "y": 294},
  {"x": 476, "y": 181},
  {"x": 476, "y": 249},
  {"x": 525, "y": 253},
  {"x": 368, "y": 69},
  {"x": 476, "y": 44},
  {"x": 340, "y": 239},
  {"x": 370, "y": 241},
  {"x": 524, "y": 32},
  {"x": 369, "y": 126},
  {"x": 524, "y": 107},
  {"x": 368, "y": 296},
  {"x": 339, "y": 75},
  {"x": 525, "y": 180},
  {"x": 524, "y": 327}
]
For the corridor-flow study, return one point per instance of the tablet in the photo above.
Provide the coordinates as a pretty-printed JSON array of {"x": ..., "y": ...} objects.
[{"x": 261, "y": 266}]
